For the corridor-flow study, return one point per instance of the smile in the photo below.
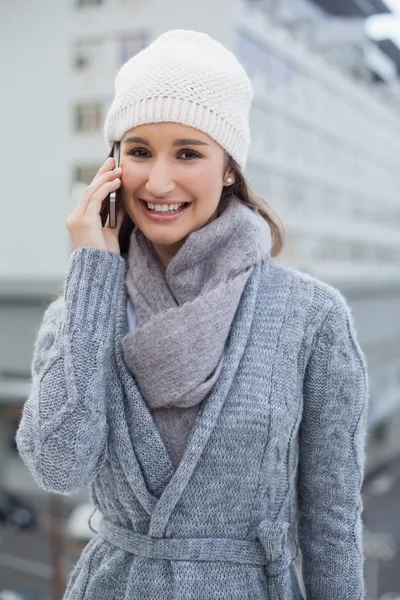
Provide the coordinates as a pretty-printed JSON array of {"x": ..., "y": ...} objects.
[{"x": 163, "y": 212}]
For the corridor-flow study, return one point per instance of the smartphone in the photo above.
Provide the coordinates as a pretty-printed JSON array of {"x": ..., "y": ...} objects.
[{"x": 113, "y": 196}]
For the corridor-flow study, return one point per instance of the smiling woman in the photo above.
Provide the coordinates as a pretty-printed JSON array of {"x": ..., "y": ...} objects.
[{"x": 214, "y": 400}]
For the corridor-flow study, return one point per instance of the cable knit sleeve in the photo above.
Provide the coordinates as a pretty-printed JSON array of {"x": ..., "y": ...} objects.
[
  {"x": 331, "y": 463},
  {"x": 62, "y": 435}
]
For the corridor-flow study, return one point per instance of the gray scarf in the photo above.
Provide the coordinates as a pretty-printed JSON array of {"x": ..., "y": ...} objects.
[{"x": 184, "y": 314}]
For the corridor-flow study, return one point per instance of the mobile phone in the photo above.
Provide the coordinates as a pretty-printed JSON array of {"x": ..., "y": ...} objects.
[{"x": 113, "y": 196}]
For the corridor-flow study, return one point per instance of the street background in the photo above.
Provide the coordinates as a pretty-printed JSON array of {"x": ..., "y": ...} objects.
[{"x": 325, "y": 154}]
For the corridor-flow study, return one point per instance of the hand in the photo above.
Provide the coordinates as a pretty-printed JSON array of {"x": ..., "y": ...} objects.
[{"x": 84, "y": 224}]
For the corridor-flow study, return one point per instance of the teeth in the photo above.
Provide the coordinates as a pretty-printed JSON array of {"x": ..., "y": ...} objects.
[{"x": 164, "y": 207}]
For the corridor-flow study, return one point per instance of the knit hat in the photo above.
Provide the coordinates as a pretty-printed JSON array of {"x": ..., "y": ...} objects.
[{"x": 184, "y": 77}]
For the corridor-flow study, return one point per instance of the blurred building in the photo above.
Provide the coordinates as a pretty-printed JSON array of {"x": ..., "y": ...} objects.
[{"x": 325, "y": 146}]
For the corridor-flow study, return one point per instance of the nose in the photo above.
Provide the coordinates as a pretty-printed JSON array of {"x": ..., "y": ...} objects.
[{"x": 160, "y": 181}]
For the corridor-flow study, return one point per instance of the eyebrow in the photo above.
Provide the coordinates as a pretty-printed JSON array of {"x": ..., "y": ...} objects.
[{"x": 180, "y": 142}]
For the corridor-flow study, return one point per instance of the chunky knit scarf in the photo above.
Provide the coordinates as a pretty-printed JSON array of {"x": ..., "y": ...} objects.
[{"x": 184, "y": 314}]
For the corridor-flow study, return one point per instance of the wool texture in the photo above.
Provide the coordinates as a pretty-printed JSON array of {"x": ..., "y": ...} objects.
[
  {"x": 184, "y": 77},
  {"x": 275, "y": 457},
  {"x": 184, "y": 314}
]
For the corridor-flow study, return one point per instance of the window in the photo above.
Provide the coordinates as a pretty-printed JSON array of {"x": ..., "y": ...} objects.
[
  {"x": 357, "y": 251},
  {"x": 86, "y": 56},
  {"x": 131, "y": 45},
  {"x": 88, "y": 117},
  {"x": 84, "y": 3}
]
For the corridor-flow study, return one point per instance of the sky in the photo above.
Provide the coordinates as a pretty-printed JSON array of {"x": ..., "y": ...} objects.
[{"x": 386, "y": 26}]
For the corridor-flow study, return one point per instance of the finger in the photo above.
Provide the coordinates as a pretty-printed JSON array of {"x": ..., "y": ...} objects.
[
  {"x": 108, "y": 165},
  {"x": 94, "y": 205},
  {"x": 97, "y": 184}
]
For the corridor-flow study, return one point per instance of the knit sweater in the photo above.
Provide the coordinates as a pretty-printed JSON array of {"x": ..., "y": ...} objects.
[{"x": 276, "y": 453}]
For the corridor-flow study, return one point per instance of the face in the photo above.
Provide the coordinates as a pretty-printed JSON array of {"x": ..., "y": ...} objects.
[{"x": 169, "y": 163}]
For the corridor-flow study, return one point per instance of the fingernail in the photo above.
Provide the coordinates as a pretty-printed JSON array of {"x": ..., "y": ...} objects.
[{"x": 109, "y": 159}]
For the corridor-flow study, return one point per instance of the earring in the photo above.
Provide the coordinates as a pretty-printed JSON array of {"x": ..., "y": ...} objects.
[{"x": 228, "y": 180}]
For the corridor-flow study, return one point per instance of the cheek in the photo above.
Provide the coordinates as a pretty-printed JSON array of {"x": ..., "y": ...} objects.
[
  {"x": 133, "y": 177},
  {"x": 202, "y": 180}
]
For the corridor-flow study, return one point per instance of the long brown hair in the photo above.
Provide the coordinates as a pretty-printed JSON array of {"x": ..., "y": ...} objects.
[{"x": 241, "y": 188}]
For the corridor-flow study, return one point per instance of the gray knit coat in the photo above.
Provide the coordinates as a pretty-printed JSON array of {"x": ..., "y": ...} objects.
[{"x": 275, "y": 459}]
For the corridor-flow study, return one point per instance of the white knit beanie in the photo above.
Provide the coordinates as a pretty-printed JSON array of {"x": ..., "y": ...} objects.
[{"x": 184, "y": 77}]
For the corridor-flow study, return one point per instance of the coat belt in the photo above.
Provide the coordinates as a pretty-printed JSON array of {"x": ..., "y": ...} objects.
[{"x": 196, "y": 549}]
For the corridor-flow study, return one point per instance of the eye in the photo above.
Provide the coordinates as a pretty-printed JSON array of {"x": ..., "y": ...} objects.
[
  {"x": 190, "y": 154},
  {"x": 138, "y": 152},
  {"x": 143, "y": 153}
]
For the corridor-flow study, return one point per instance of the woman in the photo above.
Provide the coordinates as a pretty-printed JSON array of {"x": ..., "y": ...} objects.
[{"x": 214, "y": 400}]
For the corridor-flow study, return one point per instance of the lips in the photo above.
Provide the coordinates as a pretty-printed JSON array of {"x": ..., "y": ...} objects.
[{"x": 163, "y": 216}]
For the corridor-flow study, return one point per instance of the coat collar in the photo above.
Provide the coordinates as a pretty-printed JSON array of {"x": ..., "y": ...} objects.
[{"x": 138, "y": 445}]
